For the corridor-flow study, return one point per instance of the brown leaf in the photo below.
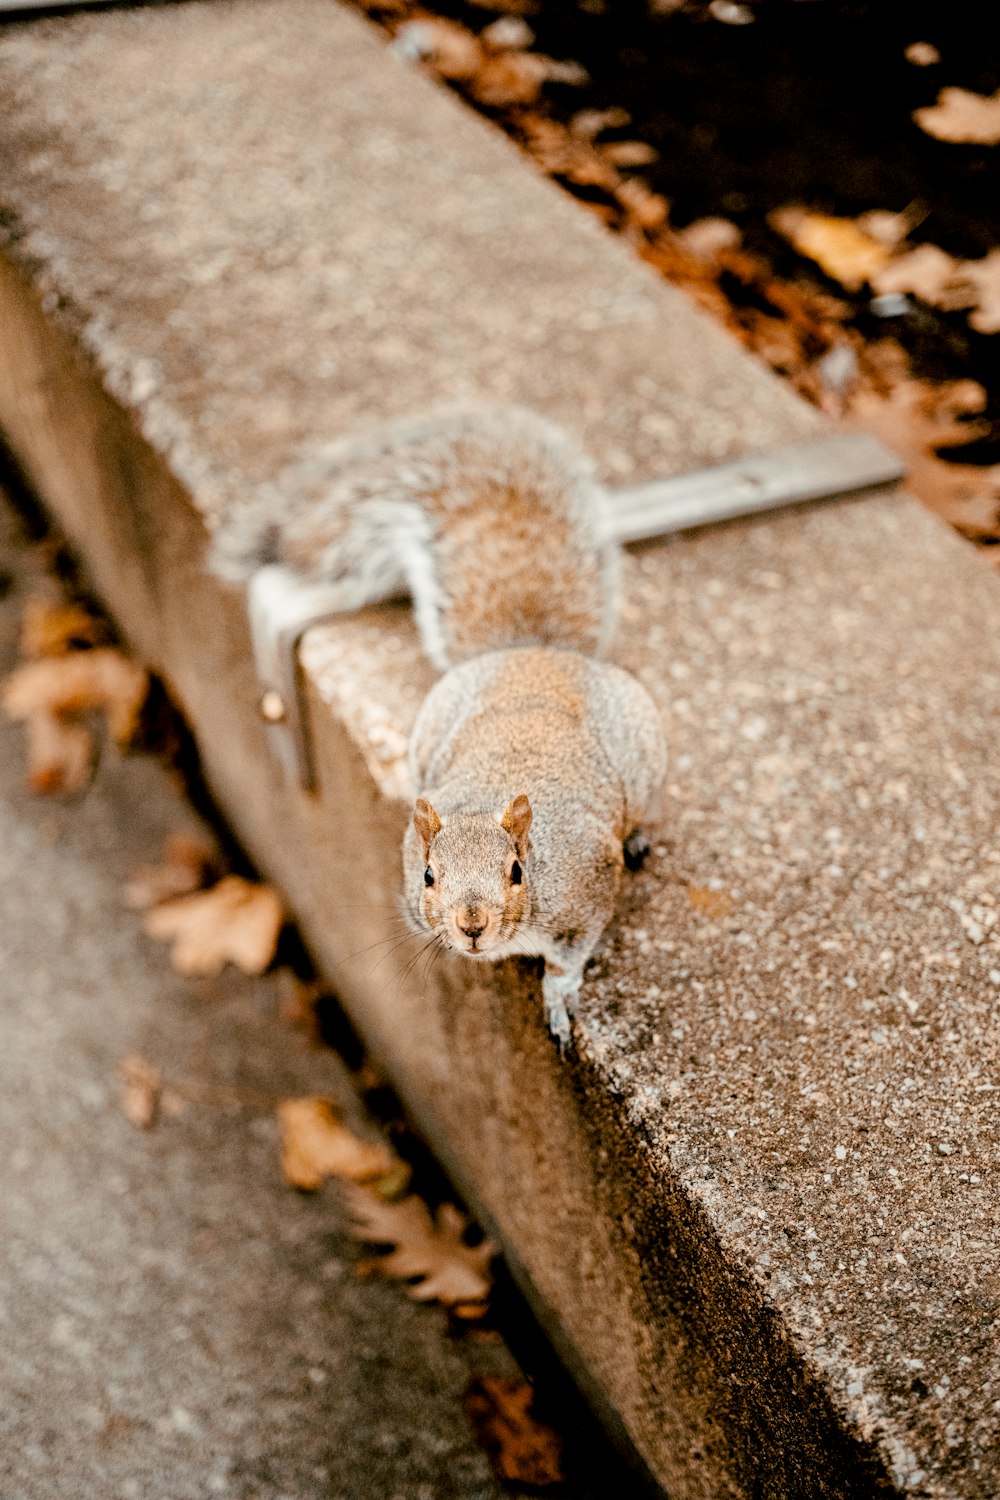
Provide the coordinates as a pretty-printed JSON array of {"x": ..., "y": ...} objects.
[
  {"x": 185, "y": 864},
  {"x": 983, "y": 278},
  {"x": 432, "y": 1252},
  {"x": 451, "y": 50},
  {"x": 711, "y": 904},
  {"x": 915, "y": 418},
  {"x": 922, "y": 54},
  {"x": 51, "y": 628},
  {"x": 962, "y": 117},
  {"x": 237, "y": 921},
  {"x": 316, "y": 1145},
  {"x": 644, "y": 208},
  {"x": 521, "y": 1449},
  {"x": 927, "y": 272},
  {"x": 141, "y": 1083},
  {"x": 844, "y": 251},
  {"x": 60, "y": 754},
  {"x": 509, "y": 78},
  {"x": 630, "y": 153},
  {"x": 587, "y": 124},
  {"x": 706, "y": 237},
  {"x": 79, "y": 683}
]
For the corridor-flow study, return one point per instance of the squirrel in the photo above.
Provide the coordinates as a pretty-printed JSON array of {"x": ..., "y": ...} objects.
[{"x": 534, "y": 760}]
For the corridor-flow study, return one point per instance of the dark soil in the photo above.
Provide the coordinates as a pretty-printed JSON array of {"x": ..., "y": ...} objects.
[{"x": 810, "y": 103}]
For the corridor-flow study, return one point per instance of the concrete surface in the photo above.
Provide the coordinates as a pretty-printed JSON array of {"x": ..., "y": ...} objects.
[
  {"x": 175, "y": 1322},
  {"x": 754, "y": 1207}
]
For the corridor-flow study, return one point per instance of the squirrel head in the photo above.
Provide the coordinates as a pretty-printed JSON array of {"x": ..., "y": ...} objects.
[{"x": 467, "y": 880}]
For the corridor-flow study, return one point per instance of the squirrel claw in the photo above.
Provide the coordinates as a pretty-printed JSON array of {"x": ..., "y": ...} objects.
[
  {"x": 560, "y": 1029},
  {"x": 635, "y": 850}
]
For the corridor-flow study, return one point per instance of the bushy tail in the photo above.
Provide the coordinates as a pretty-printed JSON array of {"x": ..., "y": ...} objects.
[{"x": 489, "y": 518}]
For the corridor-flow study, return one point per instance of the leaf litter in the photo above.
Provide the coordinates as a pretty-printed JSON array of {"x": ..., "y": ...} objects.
[{"x": 804, "y": 332}]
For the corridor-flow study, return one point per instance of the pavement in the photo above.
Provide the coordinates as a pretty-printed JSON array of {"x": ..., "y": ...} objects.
[{"x": 175, "y": 1322}]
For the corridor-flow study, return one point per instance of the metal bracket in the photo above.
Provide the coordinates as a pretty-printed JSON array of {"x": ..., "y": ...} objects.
[{"x": 282, "y": 608}]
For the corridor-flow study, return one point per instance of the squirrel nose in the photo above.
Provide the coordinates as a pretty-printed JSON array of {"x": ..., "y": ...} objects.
[{"x": 472, "y": 931}]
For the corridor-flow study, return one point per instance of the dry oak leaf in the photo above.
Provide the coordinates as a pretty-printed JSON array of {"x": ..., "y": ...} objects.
[
  {"x": 927, "y": 272},
  {"x": 141, "y": 1083},
  {"x": 433, "y": 1250},
  {"x": 51, "y": 628},
  {"x": 315, "y": 1145},
  {"x": 452, "y": 50},
  {"x": 60, "y": 754},
  {"x": 962, "y": 117},
  {"x": 78, "y": 683},
  {"x": 237, "y": 921},
  {"x": 983, "y": 278},
  {"x": 521, "y": 1449},
  {"x": 509, "y": 78},
  {"x": 846, "y": 253},
  {"x": 185, "y": 864}
]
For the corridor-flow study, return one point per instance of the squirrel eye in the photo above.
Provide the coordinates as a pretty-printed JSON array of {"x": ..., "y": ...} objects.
[
  {"x": 515, "y": 873},
  {"x": 428, "y": 876}
]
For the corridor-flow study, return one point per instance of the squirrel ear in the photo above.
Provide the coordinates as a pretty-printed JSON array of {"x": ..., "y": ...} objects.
[
  {"x": 517, "y": 821},
  {"x": 426, "y": 822}
]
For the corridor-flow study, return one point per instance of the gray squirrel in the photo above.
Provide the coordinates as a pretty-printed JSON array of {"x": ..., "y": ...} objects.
[{"x": 534, "y": 761}]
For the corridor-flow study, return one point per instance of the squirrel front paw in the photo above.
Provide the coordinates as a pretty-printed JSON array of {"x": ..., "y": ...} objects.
[{"x": 560, "y": 993}]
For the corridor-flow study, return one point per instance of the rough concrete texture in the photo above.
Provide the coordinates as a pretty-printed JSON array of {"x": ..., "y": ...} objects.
[
  {"x": 754, "y": 1205},
  {"x": 175, "y": 1322}
]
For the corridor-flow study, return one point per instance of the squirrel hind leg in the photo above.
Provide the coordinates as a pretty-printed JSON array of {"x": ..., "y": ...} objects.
[{"x": 636, "y": 850}]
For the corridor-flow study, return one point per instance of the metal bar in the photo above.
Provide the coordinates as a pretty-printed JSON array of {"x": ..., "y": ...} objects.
[{"x": 819, "y": 470}]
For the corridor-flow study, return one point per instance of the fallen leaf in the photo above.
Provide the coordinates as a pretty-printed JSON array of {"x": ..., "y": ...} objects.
[
  {"x": 509, "y": 78},
  {"x": 521, "y": 1449},
  {"x": 927, "y": 272},
  {"x": 845, "y": 252},
  {"x": 184, "y": 867},
  {"x": 508, "y": 34},
  {"x": 60, "y": 755},
  {"x": 706, "y": 237},
  {"x": 922, "y": 54},
  {"x": 237, "y": 921},
  {"x": 630, "y": 153},
  {"x": 983, "y": 278},
  {"x": 140, "y": 1090},
  {"x": 315, "y": 1145},
  {"x": 648, "y": 210},
  {"x": 78, "y": 683},
  {"x": 890, "y": 229},
  {"x": 52, "y": 628},
  {"x": 451, "y": 50},
  {"x": 915, "y": 418},
  {"x": 587, "y": 124},
  {"x": 962, "y": 117},
  {"x": 430, "y": 1252},
  {"x": 711, "y": 904}
]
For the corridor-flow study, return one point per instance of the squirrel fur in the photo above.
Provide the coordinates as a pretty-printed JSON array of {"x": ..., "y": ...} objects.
[{"x": 533, "y": 760}]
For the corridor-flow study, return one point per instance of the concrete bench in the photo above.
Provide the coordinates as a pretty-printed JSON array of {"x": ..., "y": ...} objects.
[{"x": 756, "y": 1207}]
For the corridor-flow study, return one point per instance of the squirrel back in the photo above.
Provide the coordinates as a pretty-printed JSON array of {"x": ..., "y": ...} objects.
[{"x": 490, "y": 519}]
